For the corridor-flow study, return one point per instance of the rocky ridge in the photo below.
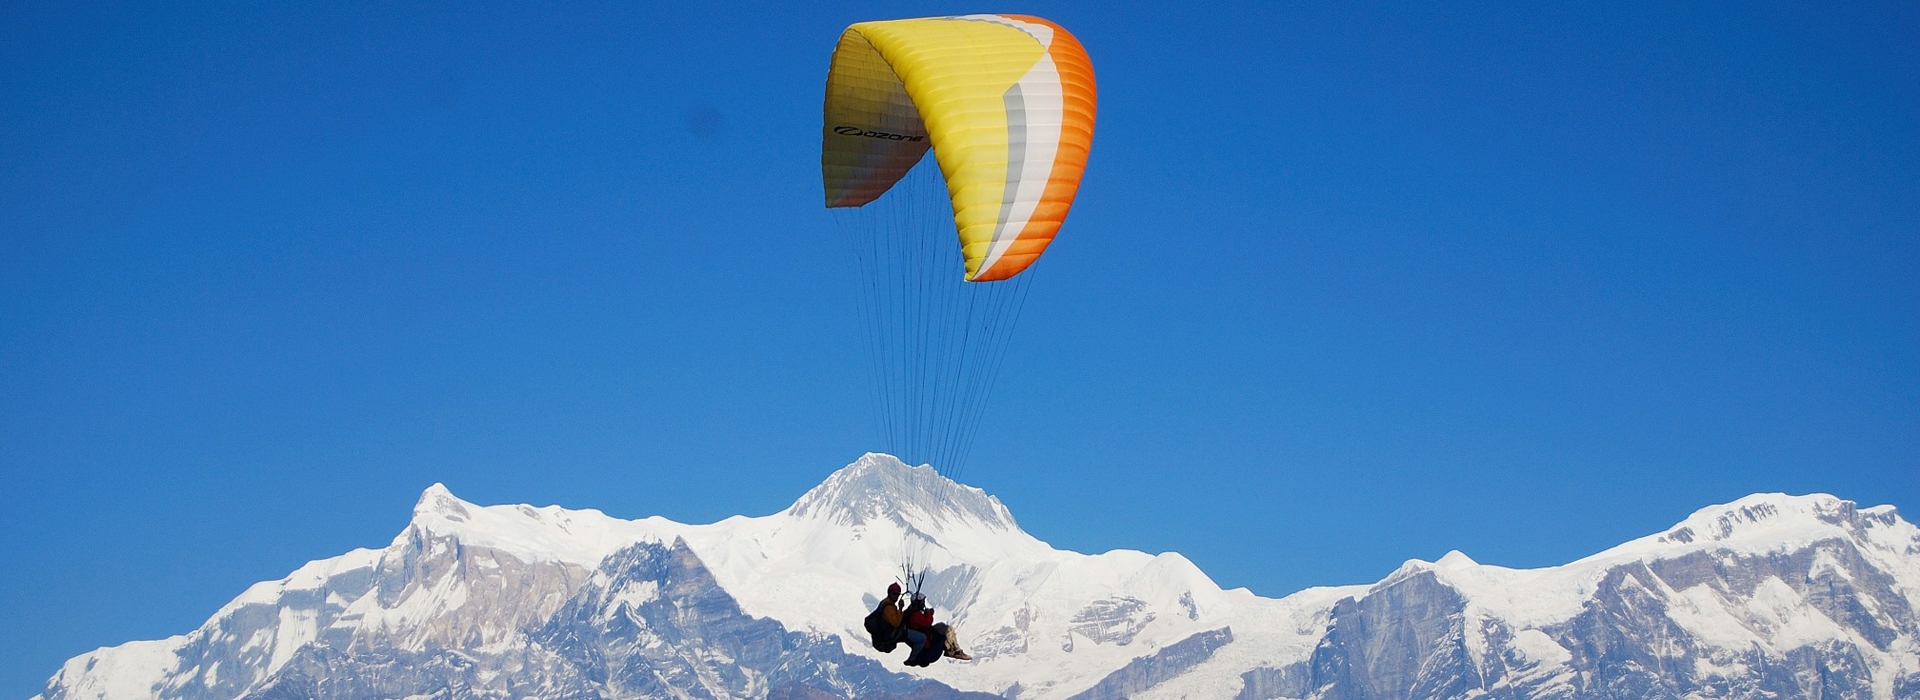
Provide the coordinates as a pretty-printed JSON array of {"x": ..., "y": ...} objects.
[{"x": 1770, "y": 596}]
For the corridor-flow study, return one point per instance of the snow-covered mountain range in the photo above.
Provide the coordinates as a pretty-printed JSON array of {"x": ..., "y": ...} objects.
[{"x": 1772, "y": 596}]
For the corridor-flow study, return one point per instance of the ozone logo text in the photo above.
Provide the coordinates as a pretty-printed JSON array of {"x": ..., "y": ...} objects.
[{"x": 869, "y": 133}]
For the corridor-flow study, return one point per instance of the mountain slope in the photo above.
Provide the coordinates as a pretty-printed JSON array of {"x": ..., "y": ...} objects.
[{"x": 1771, "y": 596}]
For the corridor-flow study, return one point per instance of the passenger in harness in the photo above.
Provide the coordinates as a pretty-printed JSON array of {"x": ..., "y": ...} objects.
[
  {"x": 888, "y": 626},
  {"x": 939, "y": 634},
  {"x": 926, "y": 640}
]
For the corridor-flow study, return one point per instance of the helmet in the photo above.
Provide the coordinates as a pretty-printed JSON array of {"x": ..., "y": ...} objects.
[{"x": 893, "y": 589}]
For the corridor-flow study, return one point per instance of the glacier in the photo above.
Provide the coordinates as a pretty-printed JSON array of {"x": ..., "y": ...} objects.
[{"x": 1769, "y": 596}]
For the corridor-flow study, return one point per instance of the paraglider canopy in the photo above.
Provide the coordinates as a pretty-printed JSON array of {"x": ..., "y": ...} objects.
[
  {"x": 1006, "y": 105},
  {"x": 1005, "y": 102}
]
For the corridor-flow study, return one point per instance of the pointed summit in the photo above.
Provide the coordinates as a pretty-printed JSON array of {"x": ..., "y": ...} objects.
[
  {"x": 438, "y": 503},
  {"x": 881, "y": 487},
  {"x": 541, "y": 602}
]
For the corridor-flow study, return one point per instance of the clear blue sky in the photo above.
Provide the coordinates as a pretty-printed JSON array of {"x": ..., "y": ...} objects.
[{"x": 1346, "y": 284}]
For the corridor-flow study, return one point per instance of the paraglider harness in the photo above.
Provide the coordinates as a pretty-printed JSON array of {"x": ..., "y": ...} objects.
[
  {"x": 887, "y": 635},
  {"x": 887, "y": 624}
]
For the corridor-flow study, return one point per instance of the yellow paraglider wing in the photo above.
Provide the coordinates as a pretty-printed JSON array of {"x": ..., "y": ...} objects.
[{"x": 1006, "y": 102}]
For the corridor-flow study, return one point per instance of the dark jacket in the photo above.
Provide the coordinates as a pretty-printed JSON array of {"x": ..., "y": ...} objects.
[{"x": 885, "y": 623}]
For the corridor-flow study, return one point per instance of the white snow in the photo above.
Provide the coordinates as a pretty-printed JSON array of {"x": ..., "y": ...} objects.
[
  {"x": 1756, "y": 525},
  {"x": 550, "y": 533},
  {"x": 1536, "y": 647},
  {"x": 296, "y": 628},
  {"x": 819, "y": 565},
  {"x": 634, "y": 595},
  {"x": 125, "y": 672},
  {"x": 311, "y": 576}
]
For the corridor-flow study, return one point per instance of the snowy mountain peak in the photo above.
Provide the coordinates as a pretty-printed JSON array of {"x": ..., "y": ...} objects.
[
  {"x": 1769, "y": 596},
  {"x": 879, "y": 487},
  {"x": 439, "y": 503},
  {"x": 1456, "y": 559},
  {"x": 547, "y": 533},
  {"x": 1773, "y": 519}
]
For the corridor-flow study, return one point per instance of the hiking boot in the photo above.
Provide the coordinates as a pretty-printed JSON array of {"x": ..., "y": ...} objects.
[{"x": 958, "y": 654}]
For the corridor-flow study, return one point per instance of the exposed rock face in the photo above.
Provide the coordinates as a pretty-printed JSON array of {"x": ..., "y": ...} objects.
[
  {"x": 1821, "y": 619},
  {"x": 1773, "y": 596},
  {"x": 1008, "y": 640},
  {"x": 1403, "y": 640},
  {"x": 652, "y": 623},
  {"x": 1628, "y": 640},
  {"x": 1112, "y": 620},
  {"x": 434, "y": 618},
  {"x": 465, "y": 596},
  {"x": 1148, "y": 671}
]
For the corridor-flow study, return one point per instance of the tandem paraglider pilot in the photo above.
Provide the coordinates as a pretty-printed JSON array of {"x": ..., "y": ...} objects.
[{"x": 926, "y": 640}]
